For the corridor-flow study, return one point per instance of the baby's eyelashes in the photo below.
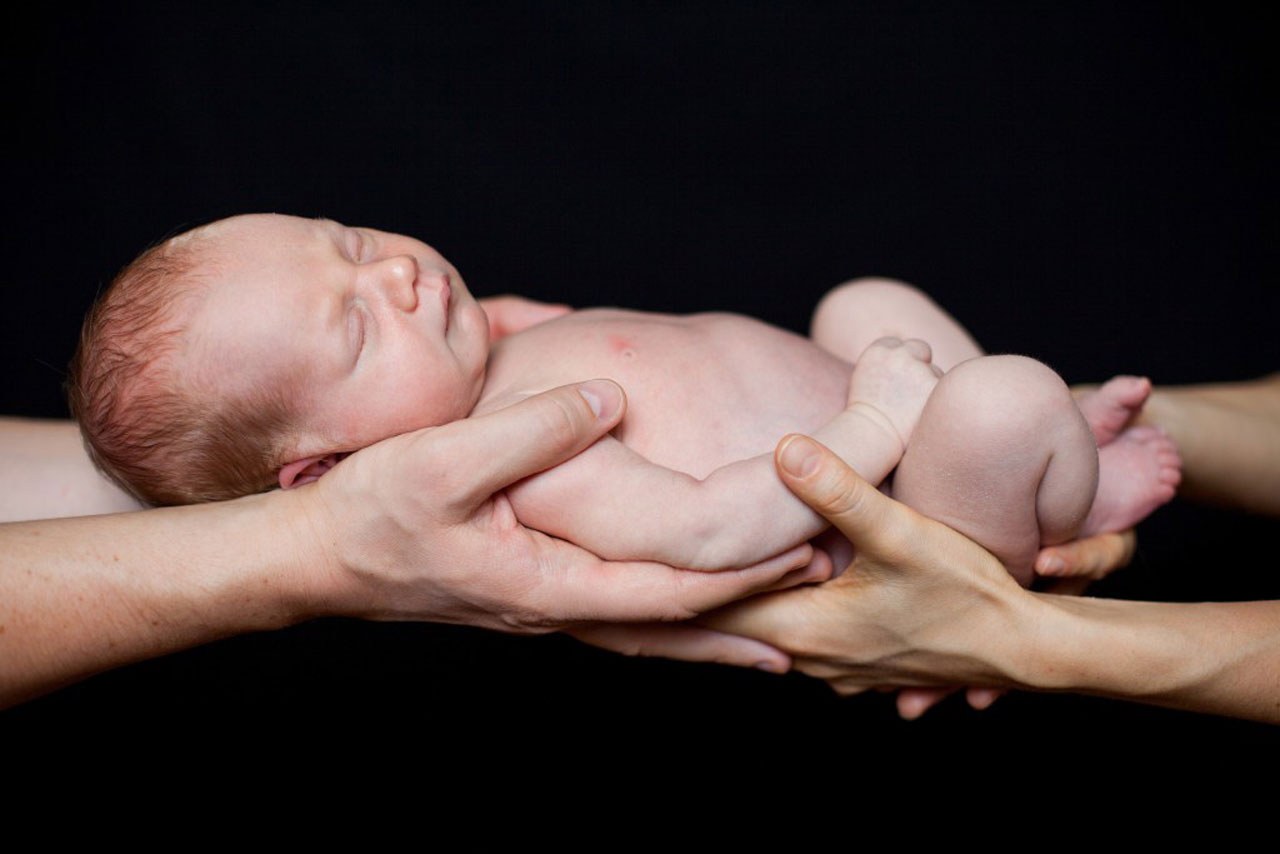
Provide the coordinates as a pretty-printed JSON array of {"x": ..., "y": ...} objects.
[{"x": 356, "y": 328}]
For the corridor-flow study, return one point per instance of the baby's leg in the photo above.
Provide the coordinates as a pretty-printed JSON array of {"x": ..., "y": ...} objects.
[
  {"x": 850, "y": 317},
  {"x": 1138, "y": 467},
  {"x": 1002, "y": 454}
]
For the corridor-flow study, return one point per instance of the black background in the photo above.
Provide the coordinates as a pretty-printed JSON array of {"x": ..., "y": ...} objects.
[{"x": 1091, "y": 184}]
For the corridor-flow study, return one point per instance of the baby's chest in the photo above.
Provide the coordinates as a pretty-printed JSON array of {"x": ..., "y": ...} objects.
[{"x": 702, "y": 391}]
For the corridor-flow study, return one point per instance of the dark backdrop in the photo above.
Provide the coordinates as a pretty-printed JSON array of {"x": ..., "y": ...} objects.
[{"x": 1092, "y": 184}]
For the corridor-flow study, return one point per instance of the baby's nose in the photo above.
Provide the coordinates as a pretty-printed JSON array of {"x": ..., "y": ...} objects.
[{"x": 396, "y": 278}]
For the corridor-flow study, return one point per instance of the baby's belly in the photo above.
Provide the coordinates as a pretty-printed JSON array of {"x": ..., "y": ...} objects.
[{"x": 702, "y": 390}]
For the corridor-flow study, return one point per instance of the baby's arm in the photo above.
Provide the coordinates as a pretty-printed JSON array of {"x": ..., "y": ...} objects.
[{"x": 614, "y": 502}]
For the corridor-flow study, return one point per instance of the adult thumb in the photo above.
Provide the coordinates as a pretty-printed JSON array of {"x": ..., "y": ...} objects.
[
  {"x": 872, "y": 521},
  {"x": 505, "y": 446}
]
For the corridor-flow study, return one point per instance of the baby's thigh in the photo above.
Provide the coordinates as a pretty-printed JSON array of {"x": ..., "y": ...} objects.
[
  {"x": 1001, "y": 454},
  {"x": 850, "y": 317}
]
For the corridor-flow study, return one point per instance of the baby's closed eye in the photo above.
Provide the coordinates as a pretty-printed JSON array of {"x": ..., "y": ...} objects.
[{"x": 356, "y": 328}]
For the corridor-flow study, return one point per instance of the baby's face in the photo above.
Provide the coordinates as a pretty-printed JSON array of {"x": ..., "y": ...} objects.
[{"x": 374, "y": 333}]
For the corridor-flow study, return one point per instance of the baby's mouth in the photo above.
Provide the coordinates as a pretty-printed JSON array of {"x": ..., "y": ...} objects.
[{"x": 445, "y": 293}]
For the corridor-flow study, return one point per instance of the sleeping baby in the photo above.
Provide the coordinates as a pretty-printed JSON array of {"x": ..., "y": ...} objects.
[{"x": 260, "y": 350}]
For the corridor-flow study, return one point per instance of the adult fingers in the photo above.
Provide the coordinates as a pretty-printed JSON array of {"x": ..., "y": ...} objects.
[
  {"x": 644, "y": 592},
  {"x": 816, "y": 569},
  {"x": 490, "y": 452},
  {"x": 983, "y": 698},
  {"x": 1093, "y": 558},
  {"x": 914, "y": 702},
  {"x": 684, "y": 643},
  {"x": 874, "y": 522}
]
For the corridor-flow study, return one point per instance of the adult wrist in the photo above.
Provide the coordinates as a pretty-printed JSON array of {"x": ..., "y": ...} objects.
[
  {"x": 298, "y": 579},
  {"x": 1016, "y": 643},
  {"x": 1108, "y": 648}
]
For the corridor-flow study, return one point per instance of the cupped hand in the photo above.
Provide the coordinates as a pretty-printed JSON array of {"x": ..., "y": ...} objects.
[
  {"x": 921, "y": 605},
  {"x": 417, "y": 528},
  {"x": 1067, "y": 569}
]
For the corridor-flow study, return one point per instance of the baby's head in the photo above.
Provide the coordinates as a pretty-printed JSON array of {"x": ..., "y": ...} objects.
[{"x": 260, "y": 349}]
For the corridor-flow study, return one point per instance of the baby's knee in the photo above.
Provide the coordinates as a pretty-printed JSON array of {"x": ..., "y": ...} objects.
[
  {"x": 859, "y": 299},
  {"x": 869, "y": 300},
  {"x": 1004, "y": 399}
]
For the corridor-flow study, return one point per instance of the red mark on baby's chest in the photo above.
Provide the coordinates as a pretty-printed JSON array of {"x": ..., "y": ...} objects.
[{"x": 621, "y": 346}]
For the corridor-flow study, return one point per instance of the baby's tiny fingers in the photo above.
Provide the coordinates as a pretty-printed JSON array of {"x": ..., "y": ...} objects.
[
  {"x": 920, "y": 349},
  {"x": 888, "y": 342}
]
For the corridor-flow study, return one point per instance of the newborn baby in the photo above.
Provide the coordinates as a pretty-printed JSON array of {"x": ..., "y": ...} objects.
[{"x": 261, "y": 349}]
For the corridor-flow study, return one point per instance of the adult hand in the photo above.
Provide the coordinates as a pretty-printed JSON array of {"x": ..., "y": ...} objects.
[
  {"x": 921, "y": 605},
  {"x": 417, "y": 528},
  {"x": 1069, "y": 569},
  {"x": 1090, "y": 559},
  {"x": 413, "y": 528},
  {"x": 511, "y": 314}
]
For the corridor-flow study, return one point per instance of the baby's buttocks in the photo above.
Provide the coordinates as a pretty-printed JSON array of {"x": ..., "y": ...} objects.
[{"x": 702, "y": 390}]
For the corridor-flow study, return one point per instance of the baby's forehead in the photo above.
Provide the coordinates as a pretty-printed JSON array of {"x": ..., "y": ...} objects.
[
  {"x": 243, "y": 228},
  {"x": 200, "y": 250},
  {"x": 231, "y": 246}
]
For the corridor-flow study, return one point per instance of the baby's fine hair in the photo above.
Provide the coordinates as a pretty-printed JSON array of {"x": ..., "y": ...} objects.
[{"x": 145, "y": 423}]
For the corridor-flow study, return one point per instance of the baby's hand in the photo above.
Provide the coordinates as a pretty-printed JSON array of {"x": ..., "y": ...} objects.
[{"x": 894, "y": 378}]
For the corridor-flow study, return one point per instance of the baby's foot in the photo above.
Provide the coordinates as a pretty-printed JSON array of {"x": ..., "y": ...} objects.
[
  {"x": 1110, "y": 409},
  {"x": 894, "y": 378},
  {"x": 1138, "y": 470}
]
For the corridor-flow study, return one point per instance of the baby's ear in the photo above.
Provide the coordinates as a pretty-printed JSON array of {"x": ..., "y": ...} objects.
[{"x": 305, "y": 471}]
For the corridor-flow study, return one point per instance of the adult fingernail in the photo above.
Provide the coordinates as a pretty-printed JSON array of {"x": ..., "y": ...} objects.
[
  {"x": 769, "y": 667},
  {"x": 602, "y": 396},
  {"x": 1050, "y": 565},
  {"x": 799, "y": 457}
]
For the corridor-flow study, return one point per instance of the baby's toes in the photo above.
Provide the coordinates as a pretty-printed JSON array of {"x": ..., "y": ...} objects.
[
  {"x": 1126, "y": 392},
  {"x": 1110, "y": 409}
]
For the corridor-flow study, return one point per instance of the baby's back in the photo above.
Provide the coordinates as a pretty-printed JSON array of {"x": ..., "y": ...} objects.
[{"x": 703, "y": 390}]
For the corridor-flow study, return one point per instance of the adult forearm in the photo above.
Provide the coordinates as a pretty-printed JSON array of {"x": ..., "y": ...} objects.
[
  {"x": 1229, "y": 438},
  {"x": 924, "y": 607},
  {"x": 80, "y": 596},
  {"x": 1221, "y": 658},
  {"x": 47, "y": 473}
]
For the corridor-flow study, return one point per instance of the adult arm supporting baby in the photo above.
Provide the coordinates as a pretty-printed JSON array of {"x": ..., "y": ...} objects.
[
  {"x": 923, "y": 605},
  {"x": 413, "y": 528},
  {"x": 618, "y": 504},
  {"x": 1229, "y": 438},
  {"x": 46, "y": 473},
  {"x": 1228, "y": 435},
  {"x": 979, "y": 629}
]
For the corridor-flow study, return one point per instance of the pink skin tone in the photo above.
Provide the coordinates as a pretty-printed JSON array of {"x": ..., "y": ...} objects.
[
  {"x": 392, "y": 338},
  {"x": 379, "y": 335}
]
